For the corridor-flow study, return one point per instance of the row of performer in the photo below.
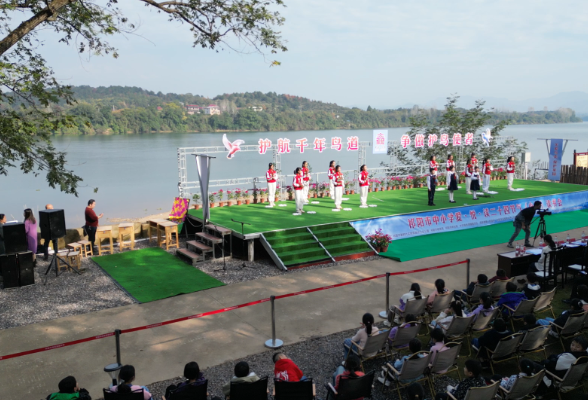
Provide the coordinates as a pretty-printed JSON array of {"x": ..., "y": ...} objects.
[{"x": 301, "y": 180}]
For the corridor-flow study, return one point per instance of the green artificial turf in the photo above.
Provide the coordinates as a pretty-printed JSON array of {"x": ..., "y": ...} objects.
[
  {"x": 392, "y": 202},
  {"x": 152, "y": 274},
  {"x": 449, "y": 242}
]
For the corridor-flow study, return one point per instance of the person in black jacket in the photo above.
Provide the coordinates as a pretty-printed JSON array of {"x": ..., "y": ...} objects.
[
  {"x": 532, "y": 289},
  {"x": 472, "y": 372},
  {"x": 490, "y": 339},
  {"x": 523, "y": 221},
  {"x": 69, "y": 389},
  {"x": 558, "y": 364},
  {"x": 577, "y": 308}
]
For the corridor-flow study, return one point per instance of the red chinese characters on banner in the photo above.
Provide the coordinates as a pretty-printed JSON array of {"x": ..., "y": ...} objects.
[
  {"x": 264, "y": 144},
  {"x": 405, "y": 141},
  {"x": 301, "y": 144},
  {"x": 450, "y": 217},
  {"x": 319, "y": 144},
  {"x": 506, "y": 210},
  {"x": 469, "y": 139},
  {"x": 411, "y": 223},
  {"x": 443, "y": 218},
  {"x": 559, "y": 203},
  {"x": 444, "y": 140},
  {"x": 512, "y": 208},
  {"x": 336, "y": 143},
  {"x": 352, "y": 143},
  {"x": 420, "y": 222},
  {"x": 283, "y": 146},
  {"x": 419, "y": 140},
  {"x": 436, "y": 219},
  {"x": 473, "y": 215},
  {"x": 428, "y": 221},
  {"x": 380, "y": 139},
  {"x": 486, "y": 212},
  {"x": 458, "y": 217},
  {"x": 431, "y": 140},
  {"x": 456, "y": 139}
]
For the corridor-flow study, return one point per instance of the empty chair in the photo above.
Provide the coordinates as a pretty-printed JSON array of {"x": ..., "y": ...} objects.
[
  {"x": 375, "y": 347},
  {"x": 413, "y": 370},
  {"x": 480, "y": 393},
  {"x": 572, "y": 327},
  {"x": 134, "y": 395},
  {"x": 534, "y": 340},
  {"x": 413, "y": 306},
  {"x": 506, "y": 350},
  {"x": 523, "y": 387},
  {"x": 525, "y": 307},
  {"x": 352, "y": 388},
  {"x": 302, "y": 390},
  {"x": 445, "y": 362},
  {"x": 249, "y": 390},
  {"x": 498, "y": 287},
  {"x": 190, "y": 392},
  {"x": 544, "y": 302},
  {"x": 571, "y": 379}
]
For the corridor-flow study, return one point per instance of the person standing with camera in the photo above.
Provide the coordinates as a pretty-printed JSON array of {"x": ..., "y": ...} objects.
[
  {"x": 91, "y": 222},
  {"x": 523, "y": 221}
]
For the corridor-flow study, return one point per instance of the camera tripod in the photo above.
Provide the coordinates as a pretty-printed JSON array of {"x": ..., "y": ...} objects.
[
  {"x": 53, "y": 263},
  {"x": 541, "y": 229}
]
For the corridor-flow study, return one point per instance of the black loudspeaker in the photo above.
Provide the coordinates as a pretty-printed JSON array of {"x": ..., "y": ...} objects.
[
  {"x": 15, "y": 238},
  {"x": 52, "y": 224},
  {"x": 9, "y": 270},
  {"x": 25, "y": 269}
]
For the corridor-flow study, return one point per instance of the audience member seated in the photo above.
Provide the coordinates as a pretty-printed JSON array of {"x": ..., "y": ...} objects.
[
  {"x": 510, "y": 298},
  {"x": 69, "y": 390},
  {"x": 543, "y": 263},
  {"x": 527, "y": 368},
  {"x": 127, "y": 376},
  {"x": 529, "y": 322},
  {"x": 409, "y": 320},
  {"x": 193, "y": 378},
  {"x": 351, "y": 369},
  {"x": 242, "y": 375},
  {"x": 577, "y": 308},
  {"x": 582, "y": 291},
  {"x": 558, "y": 364},
  {"x": 482, "y": 281},
  {"x": 489, "y": 340},
  {"x": 446, "y": 316},
  {"x": 485, "y": 307},
  {"x": 532, "y": 288},
  {"x": 416, "y": 391},
  {"x": 500, "y": 276},
  {"x": 367, "y": 329},
  {"x": 438, "y": 339},
  {"x": 415, "y": 347},
  {"x": 439, "y": 289},
  {"x": 285, "y": 369},
  {"x": 413, "y": 293},
  {"x": 472, "y": 371}
]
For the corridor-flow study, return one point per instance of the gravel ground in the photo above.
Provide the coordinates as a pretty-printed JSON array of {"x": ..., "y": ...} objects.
[{"x": 317, "y": 358}]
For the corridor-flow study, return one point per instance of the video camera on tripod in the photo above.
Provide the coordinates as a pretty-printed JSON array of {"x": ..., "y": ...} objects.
[{"x": 543, "y": 213}]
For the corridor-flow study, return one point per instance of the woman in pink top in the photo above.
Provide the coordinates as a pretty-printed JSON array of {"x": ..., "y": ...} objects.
[
  {"x": 440, "y": 289},
  {"x": 438, "y": 339},
  {"x": 127, "y": 376},
  {"x": 367, "y": 329},
  {"x": 31, "y": 229}
]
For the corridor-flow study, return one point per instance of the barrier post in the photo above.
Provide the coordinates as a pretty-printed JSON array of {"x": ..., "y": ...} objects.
[
  {"x": 273, "y": 343},
  {"x": 117, "y": 337},
  {"x": 384, "y": 314},
  {"x": 112, "y": 369},
  {"x": 468, "y": 273}
]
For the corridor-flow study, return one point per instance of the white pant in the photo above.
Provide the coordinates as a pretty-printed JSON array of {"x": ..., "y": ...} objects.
[
  {"x": 299, "y": 196},
  {"x": 271, "y": 192},
  {"x": 486, "y": 184},
  {"x": 510, "y": 178},
  {"x": 468, "y": 184},
  {"x": 338, "y": 196},
  {"x": 450, "y": 195},
  {"x": 448, "y": 177},
  {"x": 331, "y": 188},
  {"x": 305, "y": 187},
  {"x": 363, "y": 192}
]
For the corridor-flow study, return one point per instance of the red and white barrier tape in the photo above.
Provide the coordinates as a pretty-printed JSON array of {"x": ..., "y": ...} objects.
[{"x": 219, "y": 311}]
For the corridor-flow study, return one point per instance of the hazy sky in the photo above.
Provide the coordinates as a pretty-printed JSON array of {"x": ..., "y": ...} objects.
[{"x": 379, "y": 52}]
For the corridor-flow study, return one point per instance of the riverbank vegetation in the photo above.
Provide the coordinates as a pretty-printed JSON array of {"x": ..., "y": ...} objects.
[{"x": 130, "y": 110}]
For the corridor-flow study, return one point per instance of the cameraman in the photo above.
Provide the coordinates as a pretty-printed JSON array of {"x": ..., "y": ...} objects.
[{"x": 523, "y": 221}]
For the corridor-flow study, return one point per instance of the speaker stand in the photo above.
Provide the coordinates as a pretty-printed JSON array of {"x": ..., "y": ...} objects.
[{"x": 53, "y": 263}]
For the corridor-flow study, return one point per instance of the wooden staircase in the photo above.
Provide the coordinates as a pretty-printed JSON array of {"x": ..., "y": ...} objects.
[{"x": 206, "y": 244}]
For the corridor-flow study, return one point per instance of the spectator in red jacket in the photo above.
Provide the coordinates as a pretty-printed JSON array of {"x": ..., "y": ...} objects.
[{"x": 285, "y": 369}]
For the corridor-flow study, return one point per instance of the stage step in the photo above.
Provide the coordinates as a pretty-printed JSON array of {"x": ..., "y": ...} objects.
[
  {"x": 209, "y": 237},
  {"x": 340, "y": 239},
  {"x": 293, "y": 246},
  {"x": 199, "y": 245},
  {"x": 194, "y": 258}
]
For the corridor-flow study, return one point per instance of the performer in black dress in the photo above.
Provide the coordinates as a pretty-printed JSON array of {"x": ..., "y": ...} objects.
[
  {"x": 475, "y": 184},
  {"x": 452, "y": 183}
]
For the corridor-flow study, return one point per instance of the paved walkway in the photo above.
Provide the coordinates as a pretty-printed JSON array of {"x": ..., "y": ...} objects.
[{"x": 160, "y": 353}]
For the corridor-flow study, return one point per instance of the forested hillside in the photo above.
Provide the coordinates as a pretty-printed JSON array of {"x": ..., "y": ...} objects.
[{"x": 127, "y": 110}]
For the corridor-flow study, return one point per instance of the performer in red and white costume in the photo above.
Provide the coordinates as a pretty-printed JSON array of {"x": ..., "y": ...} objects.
[
  {"x": 468, "y": 175},
  {"x": 272, "y": 177},
  {"x": 433, "y": 164},
  {"x": 331, "y": 175},
  {"x": 487, "y": 172},
  {"x": 448, "y": 164},
  {"x": 338, "y": 187},
  {"x": 474, "y": 160},
  {"x": 305, "y": 180},
  {"x": 364, "y": 183},
  {"x": 510, "y": 171},
  {"x": 298, "y": 185}
]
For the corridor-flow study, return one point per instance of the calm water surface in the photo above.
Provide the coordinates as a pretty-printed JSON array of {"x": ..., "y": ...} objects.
[{"x": 137, "y": 175}]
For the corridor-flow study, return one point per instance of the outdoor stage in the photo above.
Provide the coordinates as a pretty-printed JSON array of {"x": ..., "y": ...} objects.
[{"x": 413, "y": 202}]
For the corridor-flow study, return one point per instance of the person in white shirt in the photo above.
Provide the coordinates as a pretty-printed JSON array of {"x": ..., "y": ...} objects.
[
  {"x": 272, "y": 177},
  {"x": 331, "y": 176},
  {"x": 543, "y": 263},
  {"x": 475, "y": 182},
  {"x": 432, "y": 185}
]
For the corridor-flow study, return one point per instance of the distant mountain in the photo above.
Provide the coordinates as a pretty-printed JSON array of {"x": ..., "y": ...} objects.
[{"x": 577, "y": 101}]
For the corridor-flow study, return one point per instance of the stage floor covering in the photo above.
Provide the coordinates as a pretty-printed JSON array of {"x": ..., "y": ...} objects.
[
  {"x": 152, "y": 274},
  {"x": 392, "y": 202}
]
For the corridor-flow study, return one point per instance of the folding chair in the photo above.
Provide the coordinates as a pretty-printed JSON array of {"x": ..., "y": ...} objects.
[
  {"x": 474, "y": 298},
  {"x": 352, "y": 388},
  {"x": 375, "y": 345},
  {"x": 413, "y": 306},
  {"x": 579, "y": 268},
  {"x": 190, "y": 392},
  {"x": 134, "y": 395},
  {"x": 568, "y": 258},
  {"x": 404, "y": 334},
  {"x": 523, "y": 387},
  {"x": 459, "y": 328},
  {"x": 506, "y": 350},
  {"x": 413, "y": 370},
  {"x": 249, "y": 390},
  {"x": 302, "y": 390},
  {"x": 571, "y": 379},
  {"x": 445, "y": 363},
  {"x": 544, "y": 302},
  {"x": 441, "y": 302},
  {"x": 498, "y": 287},
  {"x": 534, "y": 340},
  {"x": 525, "y": 307},
  {"x": 480, "y": 393},
  {"x": 483, "y": 321},
  {"x": 572, "y": 327}
]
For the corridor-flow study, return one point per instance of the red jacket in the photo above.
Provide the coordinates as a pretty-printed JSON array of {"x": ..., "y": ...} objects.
[
  {"x": 338, "y": 179},
  {"x": 510, "y": 168},
  {"x": 487, "y": 169},
  {"x": 91, "y": 217},
  {"x": 363, "y": 179},
  {"x": 286, "y": 370},
  {"x": 297, "y": 182},
  {"x": 433, "y": 165},
  {"x": 270, "y": 175},
  {"x": 305, "y": 174},
  {"x": 331, "y": 173}
]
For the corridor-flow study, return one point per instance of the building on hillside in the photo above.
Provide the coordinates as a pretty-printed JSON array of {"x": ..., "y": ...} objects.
[
  {"x": 212, "y": 109},
  {"x": 256, "y": 108},
  {"x": 192, "y": 109}
]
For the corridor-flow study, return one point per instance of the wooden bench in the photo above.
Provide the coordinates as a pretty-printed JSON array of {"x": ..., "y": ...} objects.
[
  {"x": 126, "y": 229},
  {"x": 104, "y": 232},
  {"x": 165, "y": 235},
  {"x": 86, "y": 248}
]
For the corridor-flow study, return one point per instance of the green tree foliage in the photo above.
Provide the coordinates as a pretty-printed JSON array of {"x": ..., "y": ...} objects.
[{"x": 32, "y": 102}]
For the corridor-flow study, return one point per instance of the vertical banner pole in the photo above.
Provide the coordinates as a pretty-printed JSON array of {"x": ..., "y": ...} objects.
[{"x": 273, "y": 343}]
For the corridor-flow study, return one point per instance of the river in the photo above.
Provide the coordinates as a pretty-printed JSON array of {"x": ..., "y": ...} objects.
[{"x": 136, "y": 176}]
